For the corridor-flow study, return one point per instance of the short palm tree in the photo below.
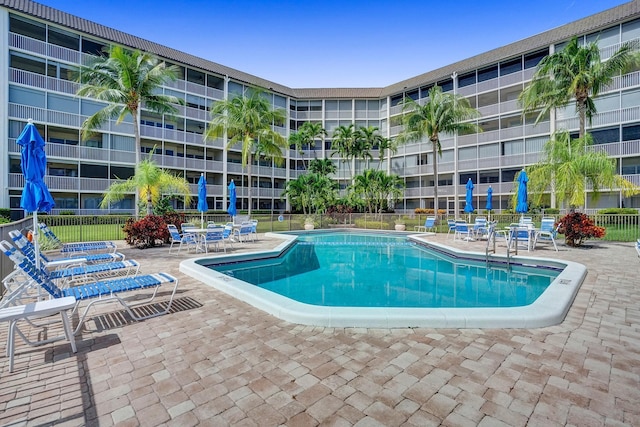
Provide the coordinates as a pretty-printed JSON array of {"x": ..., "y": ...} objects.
[
  {"x": 366, "y": 139},
  {"x": 377, "y": 189},
  {"x": 575, "y": 72},
  {"x": 150, "y": 182},
  {"x": 127, "y": 81},
  {"x": 248, "y": 120},
  {"x": 568, "y": 165},
  {"x": 322, "y": 167},
  {"x": 443, "y": 112}
]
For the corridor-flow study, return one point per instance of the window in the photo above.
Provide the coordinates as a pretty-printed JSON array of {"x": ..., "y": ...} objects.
[
  {"x": 466, "y": 79},
  {"x": 446, "y": 85},
  {"x": 413, "y": 94},
  {"x": 488, "y": 73},
  {"x": 215, "y": 82},
  {"x": 464, "y": 178},
  {"x": 93, "y": 171},
  {"x": 605, "y": 136},
  {"x": 488, "y": 150},
  {"x": 631, "y": 30},
  {"x": 62, "y": 103},
  {"x": 532, "y": 59},
  {"x": 631, "y": 133},
  {"x": 64, "y": 38},
  {"x": 26, "y": 63},
  {"x": 27, "y": 27},
  {"x": 510, "y": 67},
  {"x": 535, "y": 145},
  {"x": 489, "y": 177},
  {"x": 24, "y": 96},
  {"x": 508, "y": 175},
  {"x": 93, "y": 47},
  {"x": 195, "y": 76},
  {"x": 606, "y": 37},
  {"x": 467, "y": 153},
  {"x": 510, "y": 148},
  {"x": 630, "y": 98}
]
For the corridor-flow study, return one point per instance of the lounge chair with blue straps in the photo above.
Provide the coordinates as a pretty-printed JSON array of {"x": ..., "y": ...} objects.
[
  {"x": 75, "y": 270},
  {"x": 97, "y": 292},
  {"x": 243, "y": 233},
  {"x": 190, "y": 240},
  {"x": 77, "y": 247}
]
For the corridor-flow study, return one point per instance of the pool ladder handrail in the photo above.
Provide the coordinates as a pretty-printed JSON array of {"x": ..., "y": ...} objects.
[{"x": 492, "y": 238}]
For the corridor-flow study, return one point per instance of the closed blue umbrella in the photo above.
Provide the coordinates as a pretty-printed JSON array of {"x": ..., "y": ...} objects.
[
  {"x": 468, "y": 205},
  {"x": 35, "y": 194},
  {"x": 521, "y": 205},
  {"x": 489, "y": 201},
  {"x": 232, "y": 200},
  {"x": 202, "y": 198}
]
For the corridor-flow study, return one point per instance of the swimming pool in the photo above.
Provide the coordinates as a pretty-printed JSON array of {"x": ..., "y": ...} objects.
[{"x": 382, "y": 280}]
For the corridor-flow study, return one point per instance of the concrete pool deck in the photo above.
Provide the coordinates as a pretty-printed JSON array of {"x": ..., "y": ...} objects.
[{"x": 215, "y": 360}]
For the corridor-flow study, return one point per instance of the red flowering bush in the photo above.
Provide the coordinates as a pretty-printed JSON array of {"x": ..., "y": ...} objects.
[
  {"x": 175, "y": 218},
  {"x": 577, "y": 227},
  {"x": 146, "y": 232}
]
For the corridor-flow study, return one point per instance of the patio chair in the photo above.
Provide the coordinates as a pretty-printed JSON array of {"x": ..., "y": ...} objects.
[
  {"x": 215, "y": 236},
  {"x": 243, "y": 233},
  {"x": 77, "y": 247},
  {"x": 74, "y": 269},
  {"x": 254, "y": 229},
  {"x": 96, "y": 292},
  {"x": 547, "y": 232},
  {"x": 22, "y": 242},
  {"x": 188, "y": 239},
  {"x": 463, "y": 229},
  {"x": 638, "y": 247},
  {"x": 429, "y": 224},
  {"x": 521, "y": 234},
  {"x": 452, "y": 227},
  {"x": 480, "y": 228}
]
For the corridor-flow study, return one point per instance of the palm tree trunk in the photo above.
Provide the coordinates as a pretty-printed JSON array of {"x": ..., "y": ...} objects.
[
  {"x": 138, "y": 148},
  {"x": 435, "y": 178},
  {"x": 582, "y": 117},
  {"x": 249, "y": 187}
]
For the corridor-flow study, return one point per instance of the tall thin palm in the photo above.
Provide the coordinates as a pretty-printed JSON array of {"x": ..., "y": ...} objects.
[
  {"x": 248, "y": 120},
  {"x": 126, "y": 81},
  {"x": 150, "y": 182},
  {"x": 575, "y": 72},
  {"x": 443, "y": 112},
  {"x": 343, "y": 144},
  {"x": 377, "y": 189},
  {"x": 387, "y": 145},
  {"x": 367, "y": 138},
  {"x": 568, "y": 165}
]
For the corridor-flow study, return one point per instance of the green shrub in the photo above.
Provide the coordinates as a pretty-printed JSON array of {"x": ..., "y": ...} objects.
[
  {"x": 618, "y": 211},
  {"x": 551, "y": 211},
  {"x": 4, "y": 220},
  {"x": 67, "y": 213},
  {"x": 5, "y": 213}
]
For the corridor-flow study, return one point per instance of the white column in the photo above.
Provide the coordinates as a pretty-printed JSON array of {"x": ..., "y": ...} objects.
[{"x": 4, "y": 103}]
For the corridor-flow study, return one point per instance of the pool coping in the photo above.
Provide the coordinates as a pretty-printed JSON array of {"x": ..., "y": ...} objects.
[{"x": 549, "y": 309}]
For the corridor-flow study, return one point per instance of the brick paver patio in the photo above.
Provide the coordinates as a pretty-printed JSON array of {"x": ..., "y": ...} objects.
[{"x": 218, "y": 361}]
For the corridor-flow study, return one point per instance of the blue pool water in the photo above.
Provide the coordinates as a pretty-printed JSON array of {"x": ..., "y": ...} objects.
[{"x": 364, "y": 270}]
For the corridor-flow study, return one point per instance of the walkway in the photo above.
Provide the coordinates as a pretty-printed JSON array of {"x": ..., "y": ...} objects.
[{"x": 217, "y": 361}]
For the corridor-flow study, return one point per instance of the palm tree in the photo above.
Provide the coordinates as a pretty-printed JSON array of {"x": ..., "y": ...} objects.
[
  {"x": 248, "y": 120},
  {"x": 387, "y": 144},
  {"x": 127, "y": 81},
  {"x": 311, "y": 192},
  {"x": 366, "y": 139},
  {"x": 322, "y": 167},
  {"x": 568, "y": 165},
  {"x": 150, "y": 182},
  {"x": 343, "y": 143},
  {"x": 306, "y": 135},
  {"x": 575, "y": 72},
  {"x": 377, "y": 189},
  {"x": 443, "y": 112}
]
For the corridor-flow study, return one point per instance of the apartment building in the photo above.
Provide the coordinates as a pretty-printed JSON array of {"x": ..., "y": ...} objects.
[{"x": 43, "y": 45}]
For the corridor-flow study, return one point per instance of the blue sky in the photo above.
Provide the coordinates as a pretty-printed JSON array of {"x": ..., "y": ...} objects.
[{"x": 333, "y": 43}]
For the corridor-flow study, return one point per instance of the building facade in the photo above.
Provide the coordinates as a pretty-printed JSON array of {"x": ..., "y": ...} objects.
[{"x": 42, "y": 46}]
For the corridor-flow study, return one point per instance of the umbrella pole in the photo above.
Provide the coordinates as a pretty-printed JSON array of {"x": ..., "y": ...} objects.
[{"x": 36, "y": 244}]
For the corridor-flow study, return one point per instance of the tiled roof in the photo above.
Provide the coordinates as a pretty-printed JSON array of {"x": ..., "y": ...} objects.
[{"x": 589, "y": 24}]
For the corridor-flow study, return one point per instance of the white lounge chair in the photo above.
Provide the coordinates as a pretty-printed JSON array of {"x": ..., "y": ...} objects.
[
  {"x": 96, "y": 292},
  {"x": 187, "y": 239},
  {"x": 547, "y": 232}
]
